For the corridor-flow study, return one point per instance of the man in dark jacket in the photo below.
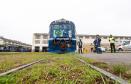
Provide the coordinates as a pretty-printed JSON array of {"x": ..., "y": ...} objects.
[
  {"x": 97, "y": 44},
  {"x": 80, "y": 44}
]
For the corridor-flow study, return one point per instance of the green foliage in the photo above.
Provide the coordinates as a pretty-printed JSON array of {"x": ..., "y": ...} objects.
[
  {"x": 119, "y": 69},
  {"x": 12, "y": 60},
  {"x": 55, "y": 69}
]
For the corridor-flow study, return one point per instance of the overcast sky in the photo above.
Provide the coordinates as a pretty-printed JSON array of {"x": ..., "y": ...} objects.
[{"x": 19, "y": 19}]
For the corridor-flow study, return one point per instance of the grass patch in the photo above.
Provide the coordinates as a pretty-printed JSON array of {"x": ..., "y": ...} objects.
[
  {"x": 122, "y": 71},
  {"x": 56, "y": 69},
  {"x": 119, "y": 69},
  {"x": 12, "y": 60}
]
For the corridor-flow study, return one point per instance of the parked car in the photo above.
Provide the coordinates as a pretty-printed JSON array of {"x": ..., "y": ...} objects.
[{"x": 125, "y": 46}]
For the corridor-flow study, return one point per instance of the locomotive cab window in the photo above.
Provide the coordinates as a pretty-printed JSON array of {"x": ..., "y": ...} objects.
[{"x": 64, "y": 30}]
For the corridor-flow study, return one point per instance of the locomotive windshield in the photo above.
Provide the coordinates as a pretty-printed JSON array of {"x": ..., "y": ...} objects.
[{"x": 63, "y": 30}]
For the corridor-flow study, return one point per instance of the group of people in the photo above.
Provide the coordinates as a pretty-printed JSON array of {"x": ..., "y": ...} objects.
[{"x": 97, "y": 45}]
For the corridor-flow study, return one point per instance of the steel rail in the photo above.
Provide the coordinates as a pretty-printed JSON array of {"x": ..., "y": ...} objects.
[
  {"x": 19, "y": 68},
  {"x": 111, "y": 76}
]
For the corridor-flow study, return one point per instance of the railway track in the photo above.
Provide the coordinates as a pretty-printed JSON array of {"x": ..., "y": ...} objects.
[
  {"x": 111, "y": 76},
  {"x": 20, "y": 68},
  {"x": 107, "y": 74}
]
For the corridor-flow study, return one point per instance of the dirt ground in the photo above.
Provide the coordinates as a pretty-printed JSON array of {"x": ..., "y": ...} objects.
[{"x": 111, "y": 58}]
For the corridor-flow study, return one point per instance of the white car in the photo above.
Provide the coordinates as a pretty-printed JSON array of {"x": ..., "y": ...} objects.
[{"x": 126, "y": 46}]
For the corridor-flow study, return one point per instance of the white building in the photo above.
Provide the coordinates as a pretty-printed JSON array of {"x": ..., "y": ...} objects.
[{"x": 40, "y": 40}]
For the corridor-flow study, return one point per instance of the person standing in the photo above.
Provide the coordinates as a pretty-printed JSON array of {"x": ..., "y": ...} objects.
[
  {"x": 97, "y": 44},
  {"x": 112, "y": 43},
  {"x": 80, "y": 45},
  {"x": 92, "y": 48}
]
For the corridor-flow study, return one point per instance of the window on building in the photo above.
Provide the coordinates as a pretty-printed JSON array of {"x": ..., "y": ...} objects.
[
  {"x": 37, "y": 36},
  {"x": 37, "y": 48},
  {"x": 87, "y": 37},
  {"x": 93, "y": 37},
  {"x": 45, "y": 36},
  {"x": 44, "y": 49},
  {"x": 44, "y": 42},
  {"x": 105, "y": 37},
  {"x": 81, "y": 37},
  {"x": 126, "y": 38},
  {"x": 129, "y": 38},
  {"x": 37, "y": 41},
  {"x": 116, "y": 38},
  {"x": 121, "y": 37}
]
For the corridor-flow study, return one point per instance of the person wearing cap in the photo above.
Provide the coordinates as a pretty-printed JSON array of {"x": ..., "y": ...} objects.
[{"x": 112, "y": 43}]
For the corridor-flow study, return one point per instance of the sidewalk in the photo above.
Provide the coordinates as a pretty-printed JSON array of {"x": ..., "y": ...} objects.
[{"x": 111, "y": 58}]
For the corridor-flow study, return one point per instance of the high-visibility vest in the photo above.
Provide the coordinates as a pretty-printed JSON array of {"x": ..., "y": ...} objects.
[{"x": 111, "y": 39}]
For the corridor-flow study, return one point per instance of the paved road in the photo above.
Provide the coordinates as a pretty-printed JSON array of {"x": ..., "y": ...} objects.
[{"x": 111, "y": 58}]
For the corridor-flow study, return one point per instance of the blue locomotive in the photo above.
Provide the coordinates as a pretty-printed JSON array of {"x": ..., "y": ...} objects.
[{"x": 62, "y": 36}]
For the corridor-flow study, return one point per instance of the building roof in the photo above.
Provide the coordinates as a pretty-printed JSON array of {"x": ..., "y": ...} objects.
[{"x": 14, "y": 41}]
